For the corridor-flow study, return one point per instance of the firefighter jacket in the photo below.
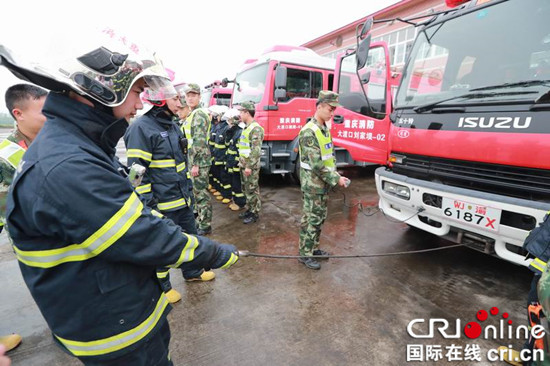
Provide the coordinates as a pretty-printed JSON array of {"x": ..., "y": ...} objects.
[
  {"x": 11, "y": 153},
  {"x": 219, "y": 144},
  {"x": 537, "y": 244},
  {"x": 153, "y": 141},
  {"x": 233, "y": 136},
  {"x": 87, "y": 247},
  {"x": 197, "y": 131},
  {"x": 317, "y": 163},
  {"x": 212, "y": 138}
]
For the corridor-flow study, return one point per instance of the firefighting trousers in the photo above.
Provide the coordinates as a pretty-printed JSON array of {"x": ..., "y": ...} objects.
[
  {"x": 236, "y": 189},
  {"x": 153, "y": 352}
]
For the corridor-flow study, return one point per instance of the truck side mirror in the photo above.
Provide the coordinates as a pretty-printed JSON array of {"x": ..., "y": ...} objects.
[
  {"x": 279, "y": 94},
  {"x": 366, "y": 27},
  {"x": 280, "y": 83},
  {"x": 280, "y": 77},
  {"x": 363, "y": 52}
]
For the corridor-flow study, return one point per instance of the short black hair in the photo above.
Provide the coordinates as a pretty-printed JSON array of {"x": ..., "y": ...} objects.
[
  {"x": 19, "y": 93},
  {"x": 252, "y": 113}
]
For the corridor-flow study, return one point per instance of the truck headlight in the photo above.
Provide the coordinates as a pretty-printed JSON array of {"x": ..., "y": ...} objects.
[{"x": 396, "y": 190}]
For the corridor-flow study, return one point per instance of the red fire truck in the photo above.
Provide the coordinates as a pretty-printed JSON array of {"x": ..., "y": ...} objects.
[
  {"x": 216, "y": 94},
  {"x": 464, "y": 146},
  {"x": 284, "y": 82}
]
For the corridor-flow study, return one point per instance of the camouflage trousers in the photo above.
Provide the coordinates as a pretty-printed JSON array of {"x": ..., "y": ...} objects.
[
  {"x": 251, "y": 190},
  {"x": 314, "y": 214},
  {"x": 203, "y": 206}
]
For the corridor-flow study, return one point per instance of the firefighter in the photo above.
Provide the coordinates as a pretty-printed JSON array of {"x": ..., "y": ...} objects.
[
  {"x": 219, "y": 161},
  {"x": 197, "y": 130},
  {"x": 232, "y": 137},
  {"x": 24, "y": 102},
  {"x": 86, "y": 245},
  {"x": 317, "y": 174},
  {"x": 154, "y": 141},
  {"x": 213, "y": 187},
  {"x": 250, "y": 151}
]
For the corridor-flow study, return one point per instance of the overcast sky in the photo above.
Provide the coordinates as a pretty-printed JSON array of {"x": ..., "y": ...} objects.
[{"x": 202, "y": 41}]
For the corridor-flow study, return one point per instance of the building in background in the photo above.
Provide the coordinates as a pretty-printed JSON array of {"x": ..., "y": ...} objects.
[{"x": 398, "y": 35}]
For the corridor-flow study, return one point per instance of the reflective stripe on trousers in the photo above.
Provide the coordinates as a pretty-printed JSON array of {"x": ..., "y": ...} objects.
[{"x": 118, "y": 341}]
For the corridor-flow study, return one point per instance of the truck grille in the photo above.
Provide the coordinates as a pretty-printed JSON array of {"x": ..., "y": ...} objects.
[{"x": 528, "y": 183}]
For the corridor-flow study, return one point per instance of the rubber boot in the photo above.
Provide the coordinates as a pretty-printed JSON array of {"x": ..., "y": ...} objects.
[
  {"x": 173, "y": 296},
  {"x": 234, "y": 207},
  {"x": 205, "y": 276},
  {"x": 10, "y": 341}
]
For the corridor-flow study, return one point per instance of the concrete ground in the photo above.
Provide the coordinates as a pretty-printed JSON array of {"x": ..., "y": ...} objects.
[{"x": 277, "y": 312}]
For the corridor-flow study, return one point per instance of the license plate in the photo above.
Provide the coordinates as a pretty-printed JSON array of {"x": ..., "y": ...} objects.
[{"x": 471, "y": 213}]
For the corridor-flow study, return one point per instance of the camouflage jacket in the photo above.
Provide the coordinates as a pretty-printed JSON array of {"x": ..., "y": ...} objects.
[
  {"x": 7, "y": 171},
  {"x": 256, "y": 137},
  {"x": 319, "y": 179},
  {"x": 199, "y": 152}
]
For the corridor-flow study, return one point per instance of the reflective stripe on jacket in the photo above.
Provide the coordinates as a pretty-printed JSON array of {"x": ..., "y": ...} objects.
[{"x": 153, "y": 141}]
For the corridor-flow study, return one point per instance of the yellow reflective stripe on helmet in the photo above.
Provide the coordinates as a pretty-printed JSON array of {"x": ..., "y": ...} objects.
[
  {"x": 94, "y": 245},
  {"x": 538, "y": 264},
  {"x": 231, "y": 261},
  {"x": 140, "y": 154},
  {"x": 11, "y": 152},
  {"x": 188, "y": 253},
  {"x": 172, "y": 204},
  {"x": 165, "y": 163},
  {"x": 162, "y": 273},
  {"x": 146, "y": 188},
  {"x": 180, "y": 167},
  {"x": 117, "y": 342}
]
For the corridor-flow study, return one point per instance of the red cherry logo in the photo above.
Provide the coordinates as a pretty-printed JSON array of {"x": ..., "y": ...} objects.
[
  {"x": 472, "y": 330},
  {"x": 482, "y": 315},
  {"x": 494, "y": 310}
]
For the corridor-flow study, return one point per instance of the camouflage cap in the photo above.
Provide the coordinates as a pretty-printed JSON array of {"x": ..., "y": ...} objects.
[
  {"x": 329, "y": 97},
  {"x": 249, "y": 106},
  {"x": 193, "y": 88}
]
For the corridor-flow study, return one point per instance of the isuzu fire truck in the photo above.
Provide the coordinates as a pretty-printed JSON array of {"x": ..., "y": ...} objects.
[
  {"x": 285, "y": 82},
  {"x": 466, "y": 144}
]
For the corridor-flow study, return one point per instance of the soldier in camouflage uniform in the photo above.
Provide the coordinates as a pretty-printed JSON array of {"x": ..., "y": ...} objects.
[
  {"x": 24, "y": 102},
  {"x": 317, "y": 175},
  {"x": 197, "y": 131},
  {"x": 250, "y": 151}
]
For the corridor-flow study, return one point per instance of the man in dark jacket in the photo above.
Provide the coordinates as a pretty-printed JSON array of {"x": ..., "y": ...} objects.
[
  {"x": 154, "y": 141},
  {"x": 87, "y": 247}
]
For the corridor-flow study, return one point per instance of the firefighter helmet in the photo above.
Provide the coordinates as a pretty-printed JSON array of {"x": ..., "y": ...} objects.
[{"x": 104, "y": 71}]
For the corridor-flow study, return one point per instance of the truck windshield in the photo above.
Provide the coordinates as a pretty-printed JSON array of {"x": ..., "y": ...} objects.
[
  {"x": 250, "y": 85},
  {"x": 504, "y": 48}
]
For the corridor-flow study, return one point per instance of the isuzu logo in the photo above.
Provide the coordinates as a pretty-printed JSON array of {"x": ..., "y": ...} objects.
[
  {"x": 403, "y": 134},
  {"x": 494, "y": 122}
]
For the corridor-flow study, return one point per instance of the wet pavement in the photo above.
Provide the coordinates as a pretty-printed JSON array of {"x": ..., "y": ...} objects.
[{"x": 278, "y": 312}]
